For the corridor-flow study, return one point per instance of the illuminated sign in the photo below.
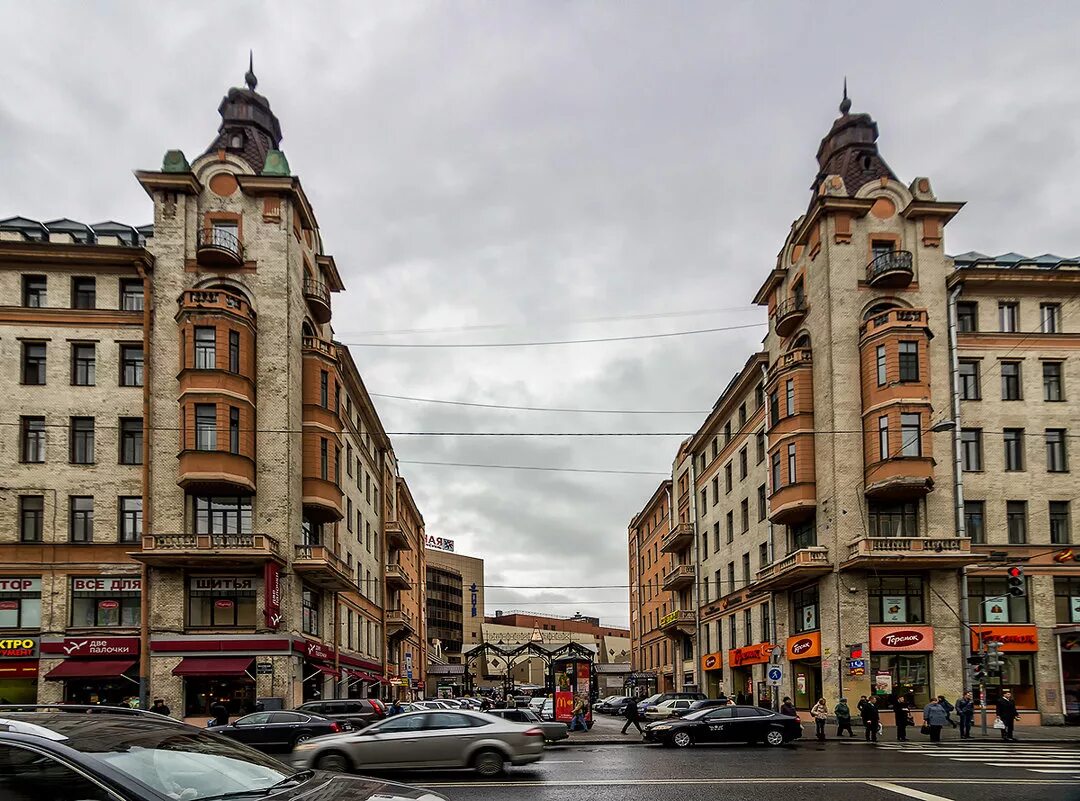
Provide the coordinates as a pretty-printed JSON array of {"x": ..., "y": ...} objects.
[
  {"x": 18, "y": 647},
  {"x": 440, "y": 543}
]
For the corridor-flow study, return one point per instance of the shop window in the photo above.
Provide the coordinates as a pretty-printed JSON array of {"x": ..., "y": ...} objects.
[
  {"x": 101, "y": 602},
  {"x": 82, "y": 440},
  {"x": 31, "y": 517},
  {"x": 989, "y": 602},
  {"x": 1013, "y": 439},
  {"x": 909, "y": 362},
  {"x": 310, "y": 603},
  {"x": 1052, "y": 384},
  {"x": 892, "y": 519},
  {"x": 83, "y": 293},
  {"x": 131, "y": 440},
  {"x": 20, "y": 603},
  {"x": 83, "y": 365},
  {"x": 895, "y": 599},
  {"x": 130, "y": 514},
  {"x": 81, "y": 518},
  {"x": 1067, "y": 599},
  {"x": 1060, "y": 527},
  {"x": 221, "y": 602},
  {"x": 975, "y": 521},
  {"x": 910, "y": 674},
  {"x": 804, "y": 609},
  {"x": 1018, "y": 675},
  {"x": 237, "y": 693},
  {"x": 131, "y": 294},
  {"x": 205, "y": 348},
  {"x": 33, "y": 363},
  {"x": 1011, "y": 381},
  {"x": 34, "y": 288},
  {"x": 222, "y": 515},
  {"x": 131, "y": 365},
  {"x": 970, "y": 383},
  {"x": 967, "y": 317}
]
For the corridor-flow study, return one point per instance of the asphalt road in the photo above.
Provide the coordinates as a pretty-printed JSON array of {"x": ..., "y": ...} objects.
[{"x": 836, "y": 770}]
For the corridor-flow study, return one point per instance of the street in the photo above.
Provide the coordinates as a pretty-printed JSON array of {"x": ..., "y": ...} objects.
[{"x": 956, "y": 771}]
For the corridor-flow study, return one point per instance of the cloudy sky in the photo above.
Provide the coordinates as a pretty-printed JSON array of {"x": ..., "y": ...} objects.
[{"x": 527, "y": 171}]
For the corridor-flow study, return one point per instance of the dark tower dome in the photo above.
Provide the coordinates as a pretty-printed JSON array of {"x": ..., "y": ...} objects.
[
  {"x": 850, "y": 151},
  {"x": 249, "y": 128}
]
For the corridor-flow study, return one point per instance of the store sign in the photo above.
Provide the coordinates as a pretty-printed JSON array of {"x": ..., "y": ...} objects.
[
  {"x": 20, "y": 585},
  {"x": 316, "y": 650},
  {"x": 272, "y": 590},
  {"x": 106, "y": 585},
  {"x": 804, "y": 646},
  {"x": 712, "y": 661},
  {"x": 1018, "y": 639},
  {"x": 473, "y": 591},
  {"x": 995, "y": 610},
  {"x": 440, "y": 543},
  {"x": 751, "y": 654},
  {"x": 101, "y": 646},
  {"x": 224, "y": 603},
  {"x": 108, "y": 604},
  {"x": 8, "y": 606},
  {"x": 906, "y": 638},
  {"x": 219, "y": 583},
  {"x": 894, "y": 609},
  {"x": 18, "y": 647}
]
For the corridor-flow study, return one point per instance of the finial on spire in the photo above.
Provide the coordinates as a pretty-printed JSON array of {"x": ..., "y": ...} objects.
[
  {"x": 845, "y": 104},
  {"x": 250, "y": 78}
]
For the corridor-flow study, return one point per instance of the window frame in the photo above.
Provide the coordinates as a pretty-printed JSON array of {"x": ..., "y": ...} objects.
[
  {"x": 40, "y": 294},
  {"x": 204, "y": 353},
  {"x": 1016, "y": 512},
  {"x": 1056, "y": 380},
  {"x": 970, "y": 383},
  {"x": 908, "y": 354},
  {"x": 1012, "y": 383},
  {"x": 81, "y": 440},
  {"x": 36, "y": 515},
  {"x": 81, "y": 520},
  {"x": 132, "y": 368},
  {"x": 83, "y": 369},
  {"x": 1057, "y": 444},
  {"x": 1013, "y": 450},
  {"x": 81, "y": 296},
  {"x": 206, "y": 427},
  {"x": 39, "y": 363},
  {"x": 129, "y": 519}
]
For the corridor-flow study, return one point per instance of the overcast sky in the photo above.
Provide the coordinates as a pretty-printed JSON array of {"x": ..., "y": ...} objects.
[{"x": 532, "y": 166}]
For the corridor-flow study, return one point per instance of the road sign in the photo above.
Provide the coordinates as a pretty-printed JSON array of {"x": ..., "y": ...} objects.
[
  {"x": 856, "y": 667},
  {"x": 264, "y": 668},
  {"x": 775, "y": 675}
]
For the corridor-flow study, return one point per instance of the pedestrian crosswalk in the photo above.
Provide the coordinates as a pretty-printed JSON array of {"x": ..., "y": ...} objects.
[{"x": 1046, "y": 758}]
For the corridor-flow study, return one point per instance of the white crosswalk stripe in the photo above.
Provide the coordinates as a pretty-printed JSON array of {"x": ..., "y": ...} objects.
[{"x": 1047, "y": 758}]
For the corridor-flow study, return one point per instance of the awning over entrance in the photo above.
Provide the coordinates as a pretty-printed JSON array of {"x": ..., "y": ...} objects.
[
  {"x": 213, "y": 666},
  {"x": 90, "y": 669},
  {"x": 328, "y": 670}
]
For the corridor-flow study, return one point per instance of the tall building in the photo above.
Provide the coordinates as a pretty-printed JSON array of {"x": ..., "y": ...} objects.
[
  {"x": 455, "y": 615},
  {"x": 198, "y": 495},
  {"x": 865, "y": 481}
]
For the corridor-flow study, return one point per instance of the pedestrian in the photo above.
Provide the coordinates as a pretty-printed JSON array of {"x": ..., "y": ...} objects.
[
  {"x": 820, "y": 714},
  {"x": 1007, "y": 714},
  {"x": 632, "y": 716},
  {"x": 160, "y": 707},
  {"x": 934, "y": 719},
  {"x": 220, "y": 713},
  {"x": 903, "y": 718},
  {"x": 870, "y": 718},
  {"x": 485, "y": 705},
  {"x": 740, "y": 698},
  {"x": 395, "y": 708},
  {"x": 965, "y": 710},
  {"x": 788, "y": 708},
  {"x": 843, "y": 719},
  {"x": 948, "y": 710}
]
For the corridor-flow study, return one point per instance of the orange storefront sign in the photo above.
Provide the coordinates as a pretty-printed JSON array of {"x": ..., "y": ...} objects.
[
  {"x": 1012, "y": 638},
  {"x": 804, "y": 646},
  {"x": 751, "y": 654},
  {"x": 712, "y": 661},
  {"x": 901, "y": 638}
]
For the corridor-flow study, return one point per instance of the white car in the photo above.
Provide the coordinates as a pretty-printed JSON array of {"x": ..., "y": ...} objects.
[{"x": 668, "y": 709}]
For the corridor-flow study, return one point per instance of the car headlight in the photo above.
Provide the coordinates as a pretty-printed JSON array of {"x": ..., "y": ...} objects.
[
  {"x": 659, "y": 728},
  {"x": 305, "y": 747}
]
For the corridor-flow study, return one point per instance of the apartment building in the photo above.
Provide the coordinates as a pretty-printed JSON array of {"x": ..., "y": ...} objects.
[
  {"x": 915, "y": 422},
  {"x": 197, "y": 486},
  {"x": 406, "y": 593},
  {"x": 657, "y": 609}
]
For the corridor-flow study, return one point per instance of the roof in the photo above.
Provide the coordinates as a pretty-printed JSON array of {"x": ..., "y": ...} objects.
[
  {"x": 248, "y": 128},
  {"x": 1047, "y": 261},
  {"x": 33, "y": 230}
]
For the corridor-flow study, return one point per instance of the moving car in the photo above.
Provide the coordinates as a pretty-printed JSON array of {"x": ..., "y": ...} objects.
[
  {"x": 668, "y": 709},
  {"x": 553, "y": 731},
  {"x": 430, "y": 739},
  {"x": 357, "y": 711},
  {"x": 49, "y": 754},
  {"x": 727, "y": 724},
  {"x": 278, "y": 731},
  {"x": 612, "y": 705}
]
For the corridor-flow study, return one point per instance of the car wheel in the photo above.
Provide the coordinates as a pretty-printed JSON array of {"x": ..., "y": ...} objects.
[
  {"x": 681, "y": 739},
  {"x": 333, "y": 762},
  {"x": 775, "y": 738},
  {"x": 303, "y": 737},
  {"x": 489, "y": 762}
]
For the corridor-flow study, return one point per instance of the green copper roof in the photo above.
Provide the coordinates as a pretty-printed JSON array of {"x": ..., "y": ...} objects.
[
  {"x": 175, "y": 161},
  {"x": 276, "y": 164}
]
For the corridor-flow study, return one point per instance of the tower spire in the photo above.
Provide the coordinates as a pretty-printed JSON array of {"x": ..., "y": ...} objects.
[
  {"x": 845, "y": 104},
  {"x": 250, "y": 78}
]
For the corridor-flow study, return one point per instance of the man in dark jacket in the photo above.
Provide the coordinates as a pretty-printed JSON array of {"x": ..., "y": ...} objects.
[
  {"x": 788, "y": 708},
  {"x": 1006, "y": 712},
  {"x": 160, "y": 707},
  {"x": 632, "y": 716},
  {"x": 870, "y": 719},
  {"x": 843, "y": 719},
  {"x": 220, "y": 713},
  {"x": 948, "y": 710},
  {"x": 965, "y": 710},
  {"x": 900, "y": 711}
]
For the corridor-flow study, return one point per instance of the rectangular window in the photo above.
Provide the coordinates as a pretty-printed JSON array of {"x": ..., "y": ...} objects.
[
  {"x": 910, "y": 434},
  {"x": 909, "y": 362},
  {"x": 727, "y": 432},
  {"x": 975, "y": 521},
  {"x": 105, "y": 602},
  {"x": 746, "y": 569},
  {"x": 776, "y": 483},
  {"x": 1016, "y": 517},
  {"x": 234, "y": 430},
  {"x": 802, "y": 535},
  {"x": 742, "y": 415},
  {"x": 743, "y": 463},
  {"x": 205, "y": 427},
  {"x": 309, "y": 615},
  {"x": 131, "y": 518},
  {"x": 760, "y": 446},
  {"x": 804, "y": 608},
  {"x": 967, "y": 317},
  {"x": 1009, "y": 317},
  {"x": 324, "y": 389},
  {"x": 759, "y": 395},
  {"x": 744, "y": 509},
  {"x": 20, "y": 603},
  {"x": 1014, "y": 448},
  {"x": 762, "y": 503},
  {"x": 34, "y": 291},
  {"x": 324, "y": 459},
  {"x": 337, "y": 466},
  {"x": 704, "y": 501},
  {"x": 731, "y": 629},
  {"x": 234, "y": 351},
  {"x": 83, "y": 365},
  {"x": 789, "y": 397},
  {"x": 1052, "y": 381},
  {"x": 883, "y": 437},
  {"x": 892, "y": 519},
  {"x": 763, "y": 554},
  {"x": 1056, "y": 455},
  {"x": 1066, "y": 597},
  {"x": 1050, "y": 317},
  {"x": 81, "y": 518},
  {"x": 33, "y": 439},
  {"x": 348, "y": 514},
  {"x": 31, "y": 518},
  {"x": 774, "y": 408},
  {"x": 727, "y": 478},
  {"x": 131, "y": 365},
  {"x": 205, "y": 348},
  {"x": 882, "y": 366},
  {"x": 225, "y": 515},
  {"x": 131, "y": 440},
  {"x": 221, "y": 602},
  {"x": 82, "y": 440},
  {"x": 970, "y": 385},
  {"x": 971, "y": 449},
  {"x": 1060, "y": 529},
  {"x": 895, "y": 599},
  {"x": 716, "y": 490},
  {"x": 730, "y": 526},
  {"x": 83, "y": 293},
  {"x": 716, "y": 536},
  {"x": 33, "y": 363},
  {"x": 1010, "y": 381},
  {"x": 131, "y": 294},
  {"x": 748, "y": 627},
  {"x": 989, "y": 602},
  {"x": 348, "y": 459},
  {"x": 792, "y": 478}
]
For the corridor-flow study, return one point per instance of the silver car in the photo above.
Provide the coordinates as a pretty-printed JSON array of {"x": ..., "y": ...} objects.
[
  {"x": 553, "y": 731},
  {"x": 427, "y": 739}
]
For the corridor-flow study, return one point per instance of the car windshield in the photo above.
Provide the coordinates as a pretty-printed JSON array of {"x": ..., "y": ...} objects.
[
  {"x": 652, "y": 699},
  {"x": 697, "y": 714}
]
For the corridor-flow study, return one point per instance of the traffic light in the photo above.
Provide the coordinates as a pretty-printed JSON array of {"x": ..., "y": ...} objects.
[
  {"x": 978, "y": 668},
  {"x": 1015, "y": 582},
  {"x": 994, "y": 660}
]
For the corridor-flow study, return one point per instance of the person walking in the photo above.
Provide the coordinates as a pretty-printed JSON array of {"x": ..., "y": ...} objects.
[
  {"x": 220, "y": 713},
  {"x": 843, "y": 719},
  {"x": 632, "y": 717},
  {"x": 948, "y": 710},
  {"x": 934, "y": 719},
  {"x": 870, "y": 718},
  {"x": 903, "y": 718},
  {"x": 820, "y": 714},
  {"x": 788, "y": 708},
  {"x": 1007, "y": 714},
  {"x": 965, "y": 711},
  {"x": 160, "y": 707},
  {"x": 395, "y": 708},
  {"x": 578, "y": 719}
]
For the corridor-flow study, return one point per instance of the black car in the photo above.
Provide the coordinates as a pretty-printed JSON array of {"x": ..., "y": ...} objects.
[
  {"x": 359, "y": 712},
  {"x": 708, "y": 703},
  {"x": 615, "y": 705},
  {"x": 116, "y": 754},
  {"x": 726, "y": 724},
  {"x": 278, "y": 731}
]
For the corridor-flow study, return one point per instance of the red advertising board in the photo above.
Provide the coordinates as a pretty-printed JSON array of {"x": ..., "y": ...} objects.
[
  {"x": 751, "y": 654},
  {"x": 564, "y": 706},
  {"x": 901, "y": 638},
  {"x": 101, "y": 646},
  {"x": 272, "y": 594}
]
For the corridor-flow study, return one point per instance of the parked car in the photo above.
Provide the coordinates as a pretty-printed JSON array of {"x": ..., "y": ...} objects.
[
  {"x": 738, "y": 724},
  {"x": 659, "y": 698},
  {"x": 668, "y": 709},
  {"x": 47, "y": 753},
  {"x": 612, "y": 705},
  {"x": 278, "y": 731},
  {"x": 358, "y": 712},
  {"x": 537, "y": 704},
  {"x": 553, "y": 731},
  {"x": 429, "y": 705},
  {"x": 547, "y": 710},
  {"x": 708, "y": 703},
  {"x": 430, "y": 739}
]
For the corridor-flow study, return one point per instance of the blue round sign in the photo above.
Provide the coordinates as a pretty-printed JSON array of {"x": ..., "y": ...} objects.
[{"x": 775, "y": 674}]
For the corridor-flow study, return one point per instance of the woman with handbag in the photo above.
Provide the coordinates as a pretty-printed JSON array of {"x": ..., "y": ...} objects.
[
  {"x": 934, "y": 719},
  {"x": 820, "y": 714}
]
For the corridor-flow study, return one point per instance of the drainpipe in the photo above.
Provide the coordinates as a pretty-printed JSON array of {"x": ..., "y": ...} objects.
[
  {"x": 692, "y": 486},
  {"x": 772, "y": 529},
  {"x": 147, "y": 458},
  {"x": 958, "y": 476}
]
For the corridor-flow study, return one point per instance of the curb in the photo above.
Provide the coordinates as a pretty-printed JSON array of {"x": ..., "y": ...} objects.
[{"x": 812, "y": 741}]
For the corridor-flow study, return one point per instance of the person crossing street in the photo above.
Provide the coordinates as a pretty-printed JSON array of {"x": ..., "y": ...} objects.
[
  {"x": 1007, "y": 714},
  {"x": 632, "y": 717}
]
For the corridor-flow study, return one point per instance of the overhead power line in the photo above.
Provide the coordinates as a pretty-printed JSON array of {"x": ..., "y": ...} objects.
[
  {"x": 538, "y": 408},
  {"x": 544, "y": 469}
]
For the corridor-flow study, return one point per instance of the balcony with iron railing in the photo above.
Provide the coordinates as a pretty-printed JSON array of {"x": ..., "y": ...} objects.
[
  {"x": 798, "y": 566},
  {"x": 890, "y": 270},
  {"x": 317, "y": 294},
  {"x": 207, "y": 550},
  {"x": 678, "y": 539},
  {"x": 218, "y": 248},
  {"x": 788, "y": 313},
  {"x": 319, "y": 565},
  {"x": 678, "y": 577},
  {"x": 216, "y": 301},
  {"x": 893, "y": 318},
  {"x": 876, "y": 553},
  {"x": 680, "y": 620},
  {"x": 399, "y": 623}
]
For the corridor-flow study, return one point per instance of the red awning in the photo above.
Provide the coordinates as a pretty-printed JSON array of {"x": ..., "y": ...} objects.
[
  {"x": 213, "y": 666},
  {"x": 328, "y": 670},
  {"x": 90, "y": 669}
]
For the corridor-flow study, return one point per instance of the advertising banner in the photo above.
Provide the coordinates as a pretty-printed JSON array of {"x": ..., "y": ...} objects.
[
  {"x": 882, "y": 682},
  {"x": 751, "y": 654},
  {"x": 712, "y": 661},
  {"x": 804, "y": 646},
  {"x": 995, "y": 610},
  {"x": 901, "y": 638},
  {"x": 272, "y": 591},
  {"x": 1012, "y": 638},
  {"x": 18, "y": 648},
  {"x": 894, "y": 609},
  {"x": 106, "y": 585},
  {"x": 564, "y": 706},
  {"x": 101, "y": 646}
]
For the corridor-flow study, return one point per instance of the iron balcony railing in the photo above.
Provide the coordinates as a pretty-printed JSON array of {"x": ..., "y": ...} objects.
[
  {"x": 893, "y": 261},
  {"x": 221, "y": 239}
]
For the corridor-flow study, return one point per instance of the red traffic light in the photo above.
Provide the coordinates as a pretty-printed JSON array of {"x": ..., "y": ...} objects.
[{"x": 1016, "y": 572}]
